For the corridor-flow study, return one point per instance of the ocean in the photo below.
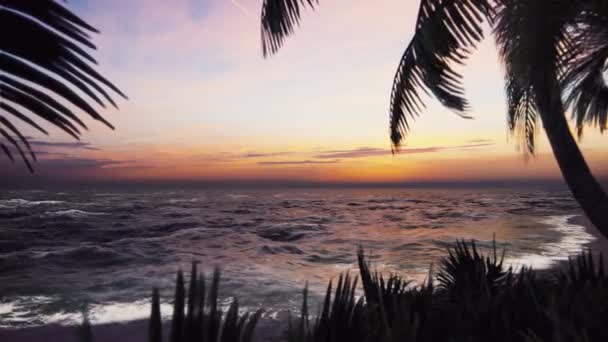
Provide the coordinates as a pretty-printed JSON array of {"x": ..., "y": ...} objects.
[{"x": 105, "y": 250}]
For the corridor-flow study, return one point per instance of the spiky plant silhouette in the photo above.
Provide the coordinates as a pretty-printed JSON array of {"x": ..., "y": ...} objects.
[
  {"x": 85, "y": 330},
  {"x": 197, "y": 315},
  {"x": 550, "y": 49},
  {"x": 45, "y": 66},
  {"x": 477, "y": 299},
  {"x": 472, "y": 297}
]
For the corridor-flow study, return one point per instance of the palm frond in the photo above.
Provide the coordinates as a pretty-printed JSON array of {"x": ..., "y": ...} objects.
[
  {"x": 446, "y": 32},
  {"x": 44, "y": 63},
  {"x": 584, "y": 80},
  {"x": 465, "y": 270},
  {"x": 534, "y": 39},
  {"x": 522, "y": 114},
  {"x": 279, "y": 18}
]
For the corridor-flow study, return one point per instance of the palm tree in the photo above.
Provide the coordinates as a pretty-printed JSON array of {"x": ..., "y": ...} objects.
[
  {"x": 44, "y": 69},
  {"x": 551, "y": 49}
]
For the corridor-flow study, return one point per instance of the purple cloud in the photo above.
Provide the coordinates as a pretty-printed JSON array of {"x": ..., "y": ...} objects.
[
  {"x": 74, "y": 144},
  {"x": 82, "y": 163},
  {"x": 363, "y": 152}
]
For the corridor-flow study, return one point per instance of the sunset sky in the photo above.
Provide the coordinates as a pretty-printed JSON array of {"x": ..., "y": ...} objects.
[{"x": 204, "y": 105}]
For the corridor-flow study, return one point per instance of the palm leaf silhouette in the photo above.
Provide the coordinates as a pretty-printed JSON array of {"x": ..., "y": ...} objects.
[
  {"x": 522, "y": 114},
  {"x": 535, "y": 40},
  {"x": 279, "y": 18},
  {"x": 585, "y": 66},
  {"x": 446, "y": 32},
  {"x": 44, "y": 69}
]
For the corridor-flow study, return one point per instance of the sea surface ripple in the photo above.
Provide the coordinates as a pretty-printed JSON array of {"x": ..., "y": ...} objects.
[{"x": 60, "y": 251}]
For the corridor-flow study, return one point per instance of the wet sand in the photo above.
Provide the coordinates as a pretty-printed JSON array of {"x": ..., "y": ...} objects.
[
  {"x": 268, "y": 330},
  {"x": 600, "y": 244}
]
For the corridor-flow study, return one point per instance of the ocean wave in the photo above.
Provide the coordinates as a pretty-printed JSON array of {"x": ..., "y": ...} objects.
[
  {"x": 333, "y": 259},
  {"x": 284, "y": 249},
  {"x": 288, "y": 232},
  {"x": 383, "y": 200},
  {"x": 454, "y": 215},
  {"x": 174, "y": 226},
  {"x": 12, "y": 214},
  {"x": 104, "y": 313},
  {"x": 177, "y": 215},
  {"x": 572, "y": 238},
  {"x": 92, "y": 256},
  {"x": 19, "y": 202},
  {"x": 238, "y": 211},
  {"x": 237, "y": 196},
  {"x": 111, "y": 250},
  {"x": 83, "y": 255},
  {"x": 72, "y": 213}
]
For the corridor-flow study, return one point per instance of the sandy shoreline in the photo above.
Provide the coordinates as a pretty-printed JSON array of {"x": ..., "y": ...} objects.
[
  {"x": 600, "y": 244},
  {"x": 268, "y": 330}
]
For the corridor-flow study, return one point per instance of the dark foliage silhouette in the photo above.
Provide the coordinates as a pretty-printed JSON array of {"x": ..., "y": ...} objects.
[
  {"x": 155, "y": 331},
  {"x": 197, "y": 316},
  {"x": 44, "y": 69},
  {"x": 85, "y": 332},
  {"x": 477, "y": 299},
  {"x": 472, "y": 297},
  {"x": 550, "y": 49}
]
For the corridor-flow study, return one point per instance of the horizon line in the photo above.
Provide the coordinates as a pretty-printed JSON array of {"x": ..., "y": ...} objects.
[{"x": 456, "y": 184}]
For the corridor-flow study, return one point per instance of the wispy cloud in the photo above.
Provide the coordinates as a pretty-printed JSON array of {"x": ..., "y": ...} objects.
[
  {"x": 263, "y": 154},
  {"x": 474, "y": 141},
  {"x": 364, "y": 152},
  {"x": 58, "y": 162},
  {"x": 83, "y": 163},
  {"x": 360, "y": 152},
  {"x": 324, "y": 157},
  {"x": 47, "y": 150},
  {"x": 472, "y": 145},
  {"x": 244, "y": 10},
  {"x": 75, "y": 145},
  {"x": 298, "y": 162}
]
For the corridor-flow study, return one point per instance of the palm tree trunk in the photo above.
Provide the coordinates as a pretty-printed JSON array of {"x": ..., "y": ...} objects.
[{"x": 585, "y": 188}]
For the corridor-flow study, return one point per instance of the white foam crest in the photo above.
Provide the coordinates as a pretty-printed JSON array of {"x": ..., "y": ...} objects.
[
  {"x": 573, "y": 240},
  {"x": 74, "y": 213},
  {"x": 237, "y": 196},
  {"x": 19, "y": 202},
  {"x": 97, "y": 313}
]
